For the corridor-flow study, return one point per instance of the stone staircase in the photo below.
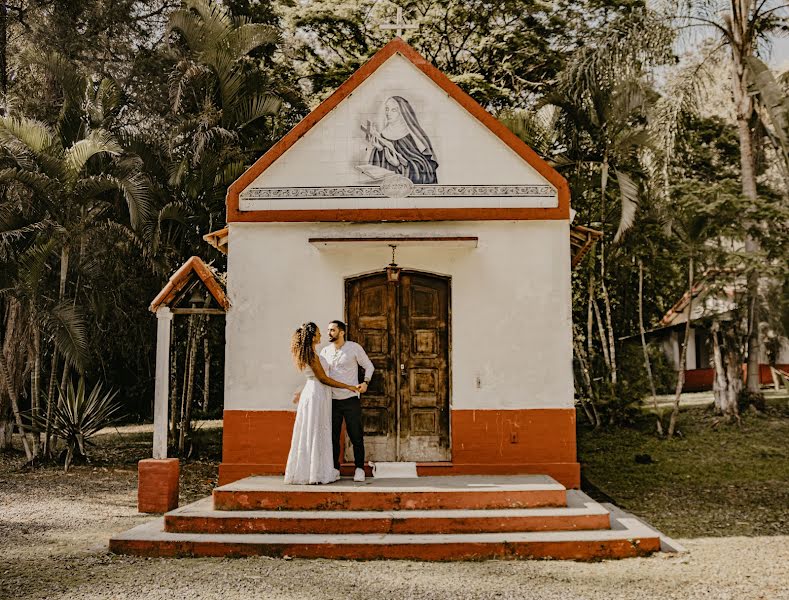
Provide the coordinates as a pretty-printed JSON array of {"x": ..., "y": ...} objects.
[{"x": 425, "y": 518}]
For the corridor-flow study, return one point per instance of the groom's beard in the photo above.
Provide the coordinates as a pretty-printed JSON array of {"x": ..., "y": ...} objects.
[{"x": 332, "y": 339}]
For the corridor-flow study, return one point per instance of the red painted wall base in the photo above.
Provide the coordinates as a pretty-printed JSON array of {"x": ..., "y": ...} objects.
[
  {"x": 484, "y": 442},
  {"x": 157, "y": 485}
]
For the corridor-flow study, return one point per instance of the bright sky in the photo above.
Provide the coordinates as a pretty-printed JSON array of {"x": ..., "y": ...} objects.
[{"x": 780, "y": 57}]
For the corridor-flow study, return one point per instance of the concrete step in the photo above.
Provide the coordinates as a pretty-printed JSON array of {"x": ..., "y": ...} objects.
[
  {"x": 423, "y": 493},
  {"x": 581, "y": 513},
  {"x": 627, "y": 537}
]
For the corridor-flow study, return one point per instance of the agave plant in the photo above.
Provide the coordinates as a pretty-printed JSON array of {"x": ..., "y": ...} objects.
[{"x": 77, "y": 416}]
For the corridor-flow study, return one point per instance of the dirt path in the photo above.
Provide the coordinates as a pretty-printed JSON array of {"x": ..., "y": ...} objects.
[{"x": 54, "y": 530}]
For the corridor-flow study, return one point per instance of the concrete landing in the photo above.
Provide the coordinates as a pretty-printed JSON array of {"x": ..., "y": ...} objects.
[{"x": 427, "y": 493}]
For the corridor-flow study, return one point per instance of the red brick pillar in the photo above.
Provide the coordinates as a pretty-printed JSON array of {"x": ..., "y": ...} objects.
[{"x": 157, "y": 485}]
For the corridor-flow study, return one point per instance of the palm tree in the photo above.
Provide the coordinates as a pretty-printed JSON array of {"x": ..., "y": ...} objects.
[
  {"x": 220, "y": 101},
  {"x": 218, "y": 94},
  {"x": 66, "y": 181},
  {"x": 740, "y": 27}
]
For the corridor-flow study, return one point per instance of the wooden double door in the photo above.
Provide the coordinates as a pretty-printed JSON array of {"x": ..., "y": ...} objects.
[{"x": 404, "y": 328}]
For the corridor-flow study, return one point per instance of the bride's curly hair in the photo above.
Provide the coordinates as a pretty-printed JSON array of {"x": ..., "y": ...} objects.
[{"x": 301, "y": 346}]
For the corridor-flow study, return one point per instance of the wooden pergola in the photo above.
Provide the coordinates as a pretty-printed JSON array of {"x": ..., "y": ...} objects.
[{"x": 194, "y": 289}]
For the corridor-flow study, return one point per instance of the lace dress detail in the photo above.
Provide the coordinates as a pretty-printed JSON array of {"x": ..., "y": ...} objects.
[{"x": 310, "y": 458}]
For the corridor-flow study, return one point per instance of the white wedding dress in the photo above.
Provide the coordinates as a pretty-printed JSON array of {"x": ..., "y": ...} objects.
[{"x": 310, "y": 458}]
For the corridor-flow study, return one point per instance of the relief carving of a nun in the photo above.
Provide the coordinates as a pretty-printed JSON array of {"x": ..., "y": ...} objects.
[{"x": 401, "y": 146}]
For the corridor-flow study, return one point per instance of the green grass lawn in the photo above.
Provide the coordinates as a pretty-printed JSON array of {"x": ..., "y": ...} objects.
[{"x": 712, "y": 481}]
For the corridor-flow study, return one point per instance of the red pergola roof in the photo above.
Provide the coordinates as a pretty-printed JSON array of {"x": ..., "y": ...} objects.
[{"x": 181, "y": 277}]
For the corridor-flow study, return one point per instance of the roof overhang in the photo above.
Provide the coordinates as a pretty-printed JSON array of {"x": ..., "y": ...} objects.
[{"x": 194, "y": 267}]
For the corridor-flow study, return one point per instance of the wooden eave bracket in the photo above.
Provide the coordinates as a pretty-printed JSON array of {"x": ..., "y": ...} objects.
[
  {"x": 581, "y": 241},
  {"x": 218, "y": 239}
]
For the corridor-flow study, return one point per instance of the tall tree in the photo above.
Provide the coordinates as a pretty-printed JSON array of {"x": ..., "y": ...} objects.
[{"x": 741, "y": 26}]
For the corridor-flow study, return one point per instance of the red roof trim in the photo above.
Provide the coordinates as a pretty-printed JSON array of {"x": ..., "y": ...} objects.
[
  {"x": 397, "y": 45},
  {"x": 181, "y": 277}
]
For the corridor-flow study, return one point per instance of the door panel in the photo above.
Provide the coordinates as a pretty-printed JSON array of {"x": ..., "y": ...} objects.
[
  {"x": 371, "y": 309},
  {"x": 404, "y": 329},
  {"x": 424, "y": 362}
]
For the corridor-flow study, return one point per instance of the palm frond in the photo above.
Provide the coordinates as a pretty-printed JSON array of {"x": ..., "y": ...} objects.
[
  {"x": 24, "y": 138},
  {"x": 34, "y": 264},
  {"x": 254, "y": 108},
  {"x": 216, "y": 17},
  {"x": 98, "y": 142},
  {"x": 38, "y": 183},
  {"x": 189, "y": 26},
  {"x": 628, "y": 195},
  {"x": 538, "y": 128},
  {"x": 69, "y": 333},
  {"x": 100, "y": 104},
  {"x": 186, "y": 74},
  {"x": 772, "y": 98},
  {"x": 137, "y": 192},
  {"x": 247, "y": 37},
  {"x": 96, "y": 185}
]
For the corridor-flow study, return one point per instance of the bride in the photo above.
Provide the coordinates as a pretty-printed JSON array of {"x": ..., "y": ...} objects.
[{"x": 310, "y": 459}]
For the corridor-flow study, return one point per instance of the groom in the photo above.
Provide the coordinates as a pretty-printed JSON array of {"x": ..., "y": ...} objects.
[{"x": 345, "y": 358}]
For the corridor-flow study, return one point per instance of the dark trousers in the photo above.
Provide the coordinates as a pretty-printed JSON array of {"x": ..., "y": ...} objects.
[{"x": 349, "y": 409}]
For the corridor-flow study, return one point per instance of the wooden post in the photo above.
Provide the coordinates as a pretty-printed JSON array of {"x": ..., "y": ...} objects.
[{"x": 162, "y": 386}]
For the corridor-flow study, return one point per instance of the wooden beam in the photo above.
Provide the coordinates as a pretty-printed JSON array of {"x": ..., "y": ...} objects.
[{"x": 197, "y": 311}]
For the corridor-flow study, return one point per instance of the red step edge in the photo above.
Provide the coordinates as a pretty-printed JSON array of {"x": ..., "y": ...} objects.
[
  {"x": 179, "y": 523},
  {"x": 401, "y": 500}
]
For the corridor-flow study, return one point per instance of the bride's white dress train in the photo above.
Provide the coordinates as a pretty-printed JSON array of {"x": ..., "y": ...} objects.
[{"x": 310, "y": 458}]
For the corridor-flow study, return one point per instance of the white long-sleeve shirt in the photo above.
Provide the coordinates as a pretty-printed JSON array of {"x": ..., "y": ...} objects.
[{"x": 344, "y": 366}]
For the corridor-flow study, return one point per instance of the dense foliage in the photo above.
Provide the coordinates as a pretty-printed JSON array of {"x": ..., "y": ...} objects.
[{"x": 124, "y": 121}]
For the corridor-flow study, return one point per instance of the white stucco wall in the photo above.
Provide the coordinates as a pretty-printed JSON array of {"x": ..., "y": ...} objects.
[{"x": 511, "y": 320}]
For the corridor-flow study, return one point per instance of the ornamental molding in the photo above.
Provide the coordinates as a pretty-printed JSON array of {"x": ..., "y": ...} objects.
[{"x": 391, "y": 190}]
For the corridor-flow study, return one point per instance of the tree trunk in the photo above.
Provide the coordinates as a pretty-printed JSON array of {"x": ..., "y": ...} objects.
[
  {"x": 13, "y": 339},
  {"x": 53, "y": 374},
  {"x": 603, "y": 340},
  {"x": 727, "y": 384},
  {"x": 173, "y": 386},
  {"x": 590, "y": 314},
  {"x": 3, "y": 50},
  {"x": 9, "y": 389},
  {"x": 719, "y": 383},
  {"x": 606, "y": 299},
  {"x": 591, "y": 410},
  {"x": 185, "y": 379},
  {"x": 683, "y": 355},
  {"x": 186, "y": 412},
  {"x": 610, "y": 329},
  {"x": 35, "y": 387},
  {"x": 647, "y": 363},
  {"x": 206, "y": 372},
  {"x": 729, "y": 406},
  {"x": 6, "y": 430},
  {"x": 742, "y": 46}
]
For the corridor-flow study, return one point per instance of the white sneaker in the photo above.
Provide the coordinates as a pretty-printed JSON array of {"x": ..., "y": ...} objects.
[{"x": 358, "y": 475}]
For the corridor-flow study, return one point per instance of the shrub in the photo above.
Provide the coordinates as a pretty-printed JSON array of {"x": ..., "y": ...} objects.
[{"x": 77, "y": 416}]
